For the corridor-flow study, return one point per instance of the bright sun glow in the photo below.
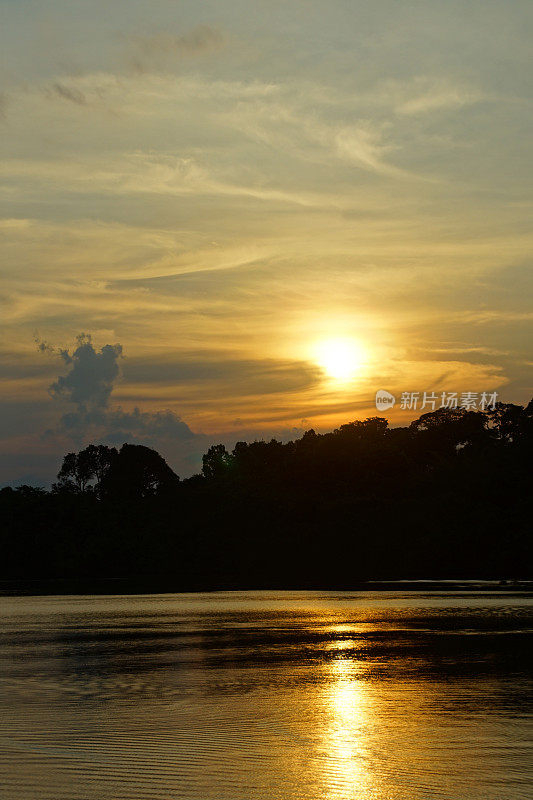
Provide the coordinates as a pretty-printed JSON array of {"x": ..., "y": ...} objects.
[{"x": 341, "y": 359}]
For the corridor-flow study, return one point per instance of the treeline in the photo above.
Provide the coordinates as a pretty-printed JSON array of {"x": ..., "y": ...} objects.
[{"x": 449, "y": 496}]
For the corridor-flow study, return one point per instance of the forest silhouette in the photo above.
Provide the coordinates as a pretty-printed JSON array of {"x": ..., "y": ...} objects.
[{"x": 448, "y": 496}]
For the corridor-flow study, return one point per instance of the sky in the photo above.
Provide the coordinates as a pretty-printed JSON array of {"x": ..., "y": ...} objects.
[{"x": 204, "y": 205}]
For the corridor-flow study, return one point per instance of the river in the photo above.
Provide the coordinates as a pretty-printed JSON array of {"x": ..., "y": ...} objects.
[{"x": 379, "y": 695}]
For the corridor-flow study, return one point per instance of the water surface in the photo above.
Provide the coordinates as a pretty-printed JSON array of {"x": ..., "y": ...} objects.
[{"x": 267, "y": 696}]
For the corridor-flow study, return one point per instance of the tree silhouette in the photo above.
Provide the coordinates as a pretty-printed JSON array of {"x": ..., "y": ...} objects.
[
  {"x": 80, "y": 469},
  {"x": 216, "y": 462},
  {"x": 136, "y": 472},
  {"x": 447, "y": 496},
  {"x": 75, "y": 473},
  {"x": 510, "y": 422}
]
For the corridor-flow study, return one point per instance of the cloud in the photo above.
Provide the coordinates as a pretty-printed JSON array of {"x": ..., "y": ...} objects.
[
  {"x": 147, "y": 54},
  {"x": 436, "y": 97},
  {"x": 237, "y": 377},
  {"x": 199, "y": 40},
  {"x": 70, "y": 93},
  {"x": 88, "y": 385},
  {"x": 89, "y": 382},
  {"x": 159, "y": 50},
  {"x": 146, "y": 427},
  {"x": 362, "y": 147},
  {"x": 116, "y": 426}
]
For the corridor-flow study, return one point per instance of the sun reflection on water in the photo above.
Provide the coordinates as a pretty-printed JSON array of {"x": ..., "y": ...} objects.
[{"x": 349, "y": 706}]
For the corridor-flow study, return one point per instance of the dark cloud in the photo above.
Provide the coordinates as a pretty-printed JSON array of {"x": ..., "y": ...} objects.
[
  {"x": 69, "y": 93},
  {"x": 160, "y": 424},
  {"x": 145, "y": 53},
  {"x": 158, "y": 50},
  {"x": 116, "y": 426},
  {"x": 88, "y": 385},
  {"x": 199, "y": 40},
  {"x": 89, "y": 382}
]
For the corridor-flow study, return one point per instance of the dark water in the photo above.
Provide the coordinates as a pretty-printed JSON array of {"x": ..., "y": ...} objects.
[{"x": 267, "y": 696}]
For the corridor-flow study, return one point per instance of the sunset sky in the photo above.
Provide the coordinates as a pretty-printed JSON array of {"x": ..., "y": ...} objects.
[{"x": 213, "y": 191}]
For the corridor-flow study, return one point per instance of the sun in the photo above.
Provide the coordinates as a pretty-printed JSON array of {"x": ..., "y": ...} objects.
[{"x": 341, "y": 359}]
